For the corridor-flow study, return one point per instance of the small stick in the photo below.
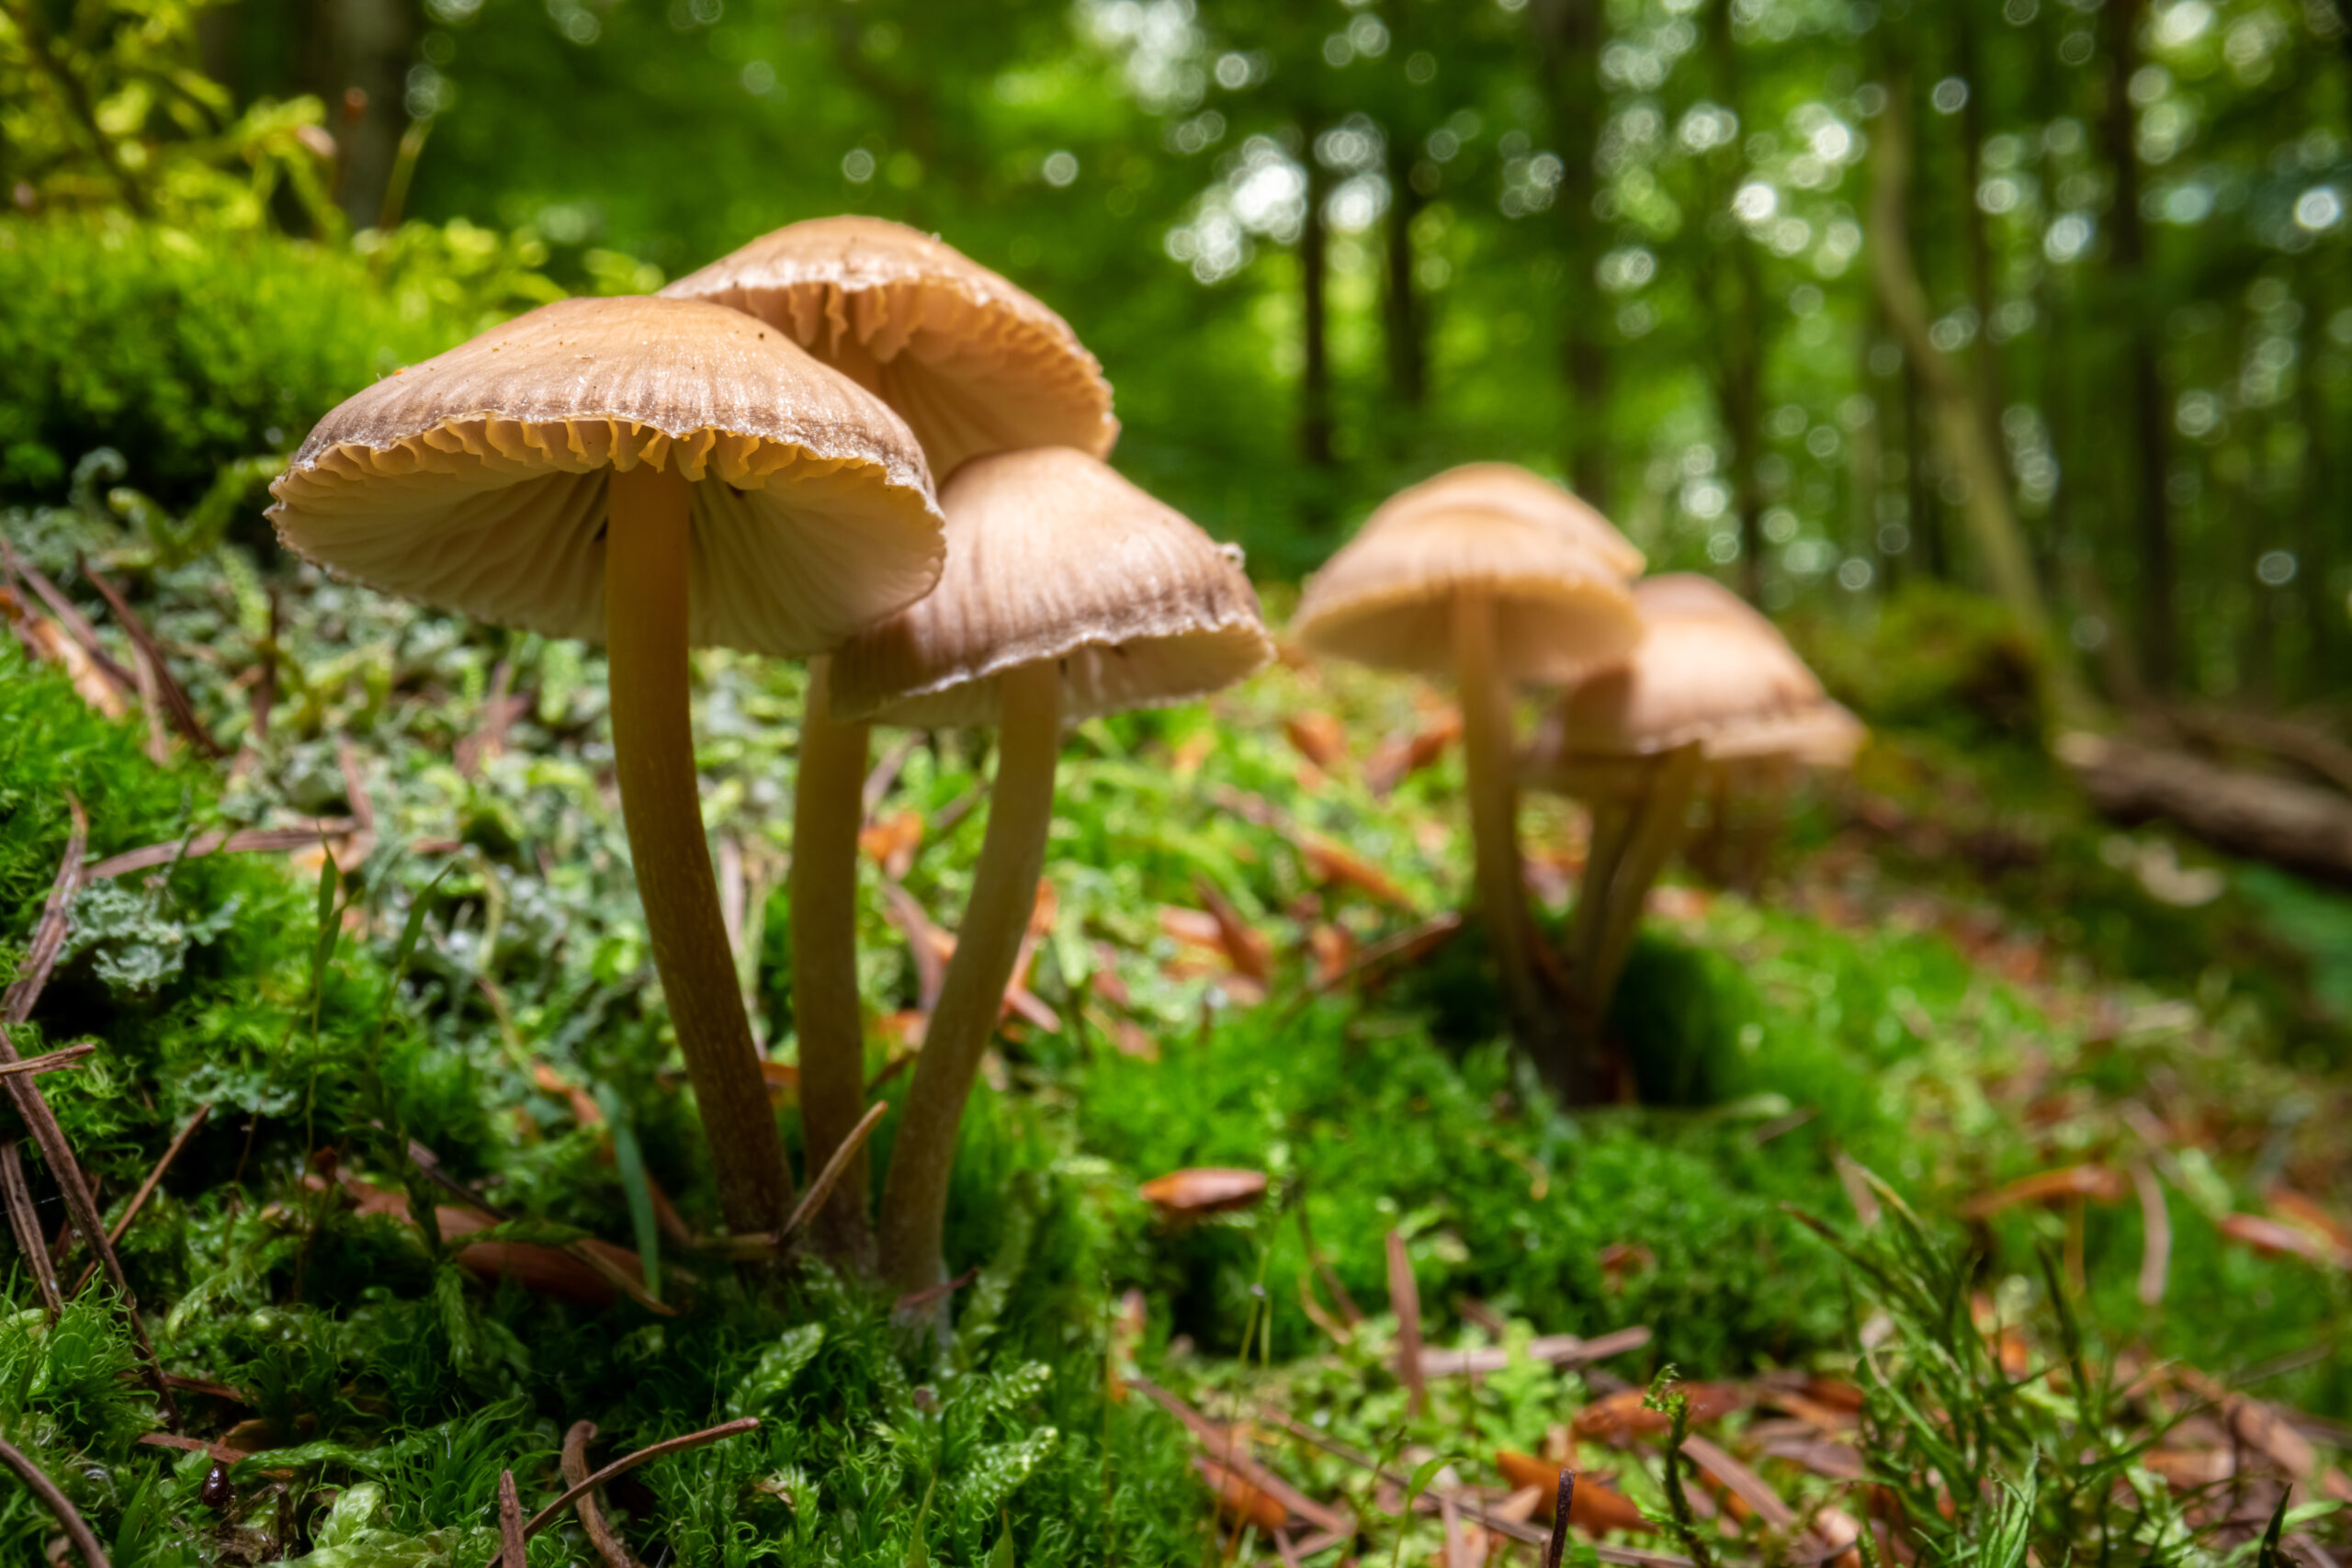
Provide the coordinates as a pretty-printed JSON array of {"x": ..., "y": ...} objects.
[
  {"x": 25, "y": 1225},
  {"x": 510, "y": 1524},
  {"x": 830, "y": 1175},
  {"x": 245, "y": 842},
  {"x": 147, "y": 1188},
  {"x": 80, "y": 1207},
  {"x": 1404, "y": 1299},
  {"x": 77, "y": 624},
  {"x": 608, "y": 1546},
  {"x": 627, "y": 1462},
  {"x": 46, "y": 1490},
  {"x": 55, "y": 1061},
  {"x": 1562, "y": 1502},
  {"x": 179, "y": 711}
]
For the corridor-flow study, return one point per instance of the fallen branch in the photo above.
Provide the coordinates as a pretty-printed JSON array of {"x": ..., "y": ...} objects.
[
  {"x": 179, "y": 711},
  {"x": 2298, "y": 826},
  {"x": 249, "y": 841},
  {"x": 46, "y": 1490},
  {"x": 511, "y": 1551}
]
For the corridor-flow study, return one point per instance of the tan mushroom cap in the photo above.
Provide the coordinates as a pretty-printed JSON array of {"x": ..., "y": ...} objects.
[
  {"x": 1387, "y": 599},
  {"x": 1514, "y": 492},
  {"x": 973, "y": 363},
  {"x": 475, "y": 482},
  {"x": 1052, "y": 556},
  {"x": 1711, "y": 670}
]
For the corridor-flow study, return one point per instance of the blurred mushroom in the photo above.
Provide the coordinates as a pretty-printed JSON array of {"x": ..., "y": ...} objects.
[
  {"x": 659, "y": 474},
  {"x": 1513, "y": 491},
  {"x": 1069, "y": 593},
  {"x": 974, "y": 365},
  {"x": 1489, "y": 589},
  {"x": 1711, "y": 688}
]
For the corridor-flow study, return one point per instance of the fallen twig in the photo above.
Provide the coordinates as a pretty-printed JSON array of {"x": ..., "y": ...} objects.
[
  {"x": 249, "y": 841},
  {"x": 600, "y": 1534},
  {"x": 23, "y": 1223},
  {"x": 1404, "y": 1299},
  {"x": 625, "y": 1463},
  {"x": 77, "y": 624},
  {"x": 46, "y": 1490},
  {"x": 147, "y": 1188},
  {"x": 1559, "y": 1350},
  {"x": 64, "y": 1170},
  {"x": 51, "y": 1062},
  {"x": 179, "y": 711}
]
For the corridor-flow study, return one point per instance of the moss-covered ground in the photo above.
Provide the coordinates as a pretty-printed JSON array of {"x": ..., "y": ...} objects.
[{"x": 1948, "y": 976}]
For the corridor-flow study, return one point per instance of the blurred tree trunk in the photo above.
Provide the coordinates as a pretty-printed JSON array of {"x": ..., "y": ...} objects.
[
  {"x": 2145, "y": 390},
  {"x": 1927, "y": 517},
  {"x": 1569, "y": 35},
  {"x": 1959, "y": 427},
  {"x": 356, "y": 56},
  {"x": 1315, "y": 370},
  {"x": 2321, "y": 504},
  {"x": 1401, "y": 324},
  {"x": 1735, "y": 291},
  {"x": 1976, "y": 243}
]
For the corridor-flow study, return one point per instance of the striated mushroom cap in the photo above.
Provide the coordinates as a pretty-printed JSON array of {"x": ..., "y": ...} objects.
[
  {"x": 1052, "y": 556},
  {"x": 1513, "y": 491},
  {"x": 1386, "y": 598},
  {"x": 975, "y": 364},
  {"x": 1711, "y": 670},
  {"x": 475, "y": 482}
]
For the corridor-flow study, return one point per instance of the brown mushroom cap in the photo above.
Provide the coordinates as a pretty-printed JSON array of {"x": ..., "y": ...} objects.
[
  {"x": 1508, "y": 489},
  {"x": 475, "y": 481},
  {"x": 1711, "y": 670},
  {"x": 973, "y": 363},
  {"x": 1386, "y": 598},
  {"x": 1052, "y": 556}
]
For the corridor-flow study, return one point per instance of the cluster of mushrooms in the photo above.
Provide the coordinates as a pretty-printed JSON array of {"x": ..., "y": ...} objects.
[
  {"x": 1500, "y": 579},
  {"x": 747, "y": 460}
]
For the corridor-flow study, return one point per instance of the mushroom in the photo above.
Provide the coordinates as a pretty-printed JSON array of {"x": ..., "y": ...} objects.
[
  {"x": 974, "y": 365},
  {"x": 1493, "y": 591},
  {"x": 1712, "y": 689},
  {"x": 657, "y": 473},
  {"x": 1514, "y": 492},
  {"x": 1069, "y": 593}
]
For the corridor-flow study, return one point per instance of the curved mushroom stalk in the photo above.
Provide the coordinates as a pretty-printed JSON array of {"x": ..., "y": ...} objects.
[
  {"x": 828, "y": 808},
  {"x": 653, "y": 757},
  {"x": 1631, "y": 842},
  {"x": 1535, "y": 1018},
  {"x": 987, "y": 944}
]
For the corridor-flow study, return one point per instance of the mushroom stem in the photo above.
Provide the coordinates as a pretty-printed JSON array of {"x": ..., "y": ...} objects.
[
  {"x": 1004, "y": 891},
  {"x": 1660, "y": 823},
  {"x": 828, "y": 808},
  {"x": 653, "y": 757},
  {"x": 1494, "y": 832},
  {"x": 1612, "y": 825}
]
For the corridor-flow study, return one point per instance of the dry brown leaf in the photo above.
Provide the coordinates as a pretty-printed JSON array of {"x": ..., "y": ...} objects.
[
  {"x": 1331, "y": 861},
  {"x": 1401, "y": 755},
  {"x": 1205, "y": 1190},
  {"x": 2277, "y": 1238},
  {"x": 1333, "y": 949},
  {"x": 892, "y": 843},
  {"x": 2092, "y": 1183},
  {"x": 1595, "y": 1508},
  {"x": 1319, "y": 738}
]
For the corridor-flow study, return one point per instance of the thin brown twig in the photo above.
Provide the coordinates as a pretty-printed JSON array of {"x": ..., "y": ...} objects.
[
  {"x": 829, "y": 1176},
  {"x": 179, "y": 711},
  {"x": 610, "y": 1547},
  {"x": 69, "y": 615},
  {"x": 50, "y": 1061},
  {"x": 46, "y": 1490},
  {"x": 147, "y": 1188},
  {"x": 23, "y": 1223},
  {"x": 245, "y": 842},
  {"x": 80, "y": 1207},
  {"x": 627, "y": 1462}
]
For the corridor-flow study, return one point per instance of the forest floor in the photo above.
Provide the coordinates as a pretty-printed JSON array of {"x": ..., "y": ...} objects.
[{"x": 1989, "y": 1183}]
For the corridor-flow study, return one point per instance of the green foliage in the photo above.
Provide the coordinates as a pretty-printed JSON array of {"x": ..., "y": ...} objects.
[{"x": 187, "y": 348}]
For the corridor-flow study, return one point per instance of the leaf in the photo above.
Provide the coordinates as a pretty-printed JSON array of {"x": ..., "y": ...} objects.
[
  {"x": 1423, "y": 1473},
  {"x": 1204, "y": 1190},
  {"x": 628, "y": 1160},
  {"x": 918, "y": 1553}
]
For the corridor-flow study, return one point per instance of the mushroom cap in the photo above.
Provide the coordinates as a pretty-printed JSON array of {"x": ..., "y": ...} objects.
[
  {"x": 475, "y": 482},
  {"x": 973, "y": 363},
  {"x": 1515, "y": 492},
  {"x": 1386, "y": 598},
  {"x": 1711, "y": 670},
  {"x": 1051, "y": 555}
]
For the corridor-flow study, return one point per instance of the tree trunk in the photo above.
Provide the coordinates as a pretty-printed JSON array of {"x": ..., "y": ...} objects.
[
  {"x": 1315, "y": 372},
  {"x": 1992, "y": 525},
  {"x": 1401, "y": 324},
  {"x": 2294, "y": 824},
  {"x": 2319, "y": 499},
  {"x": 1739, "y": 376},
  {"x": 1976, "y": 242},
  {"x": 1568, "y": 36},
  {"x": 363, "y": 48},
  {"x": 2144, "y": 379}
]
